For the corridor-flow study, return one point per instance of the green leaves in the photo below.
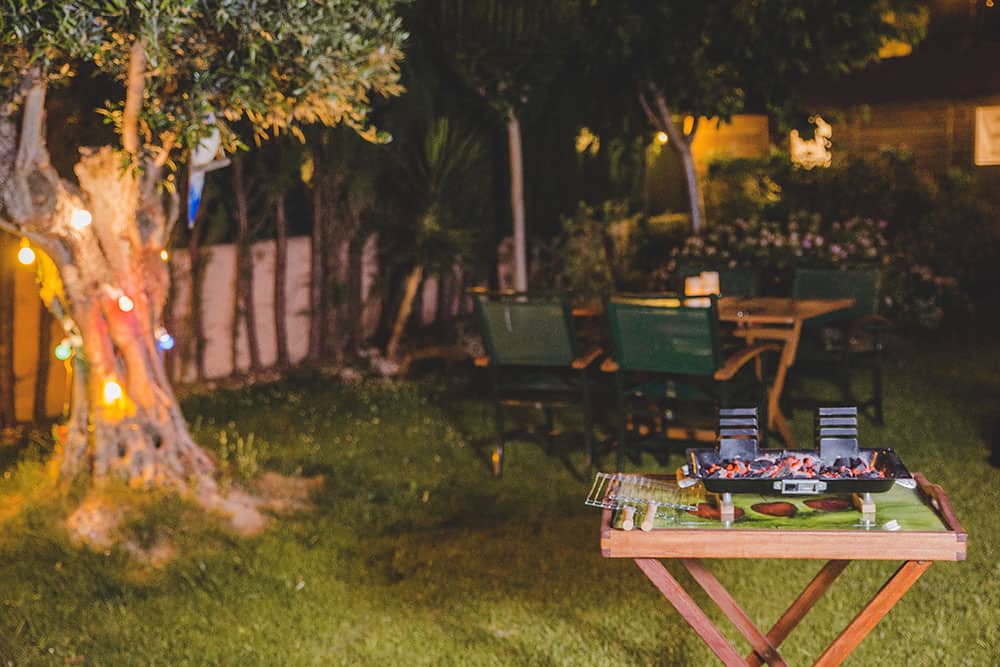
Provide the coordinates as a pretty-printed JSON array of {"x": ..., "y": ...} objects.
[
  {"x": 717, "y": 59},
  {"x": 274, "y": 65}
]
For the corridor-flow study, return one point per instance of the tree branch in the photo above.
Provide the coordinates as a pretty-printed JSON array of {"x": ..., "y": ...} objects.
[
  {"x": 31, "y": 153},
  {"x": 689, "y": 136},
  {"x": 666, "y": 119},
  {"x": 52, "y": 245},
  {"x": 650, "y": 116},
  {"x": 135, "y": 86}
]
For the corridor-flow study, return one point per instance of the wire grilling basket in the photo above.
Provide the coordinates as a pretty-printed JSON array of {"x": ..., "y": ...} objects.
[{"x": 640, "y": 496}]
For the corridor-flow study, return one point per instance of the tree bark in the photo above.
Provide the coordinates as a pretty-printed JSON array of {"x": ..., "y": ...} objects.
[
  {"x": 280, "y": 279},
  {"x": 405, "y": 308},
  {"x": 659, "y": 114},
  {"x": 517, "y": 202},
  {"x": 244, "y": 271}
]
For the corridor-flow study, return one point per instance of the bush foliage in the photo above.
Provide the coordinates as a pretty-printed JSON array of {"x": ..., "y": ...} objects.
[{"x": 934, "y": 235}]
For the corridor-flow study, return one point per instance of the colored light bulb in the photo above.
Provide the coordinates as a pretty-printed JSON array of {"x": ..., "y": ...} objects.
[
  {"x": 26, "y": 255},
  {"x": 164, "y": 339},
  {"x": 112, "y": 391},
  {"x": 63, "y": 351},
  {"x": 125, "y": 303},
  {"x": 80, "y": 218}
]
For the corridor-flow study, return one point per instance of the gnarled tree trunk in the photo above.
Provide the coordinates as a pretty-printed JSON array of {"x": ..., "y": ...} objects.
[{"x": 103, "y": 278}]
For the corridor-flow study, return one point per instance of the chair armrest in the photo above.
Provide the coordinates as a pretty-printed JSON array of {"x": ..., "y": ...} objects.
[
  {"x": 737, "y": 361},
  {"x": 481, "y": 362},
  {"x": 586, "y": 360},
  {"x": 609, "y": 366}
]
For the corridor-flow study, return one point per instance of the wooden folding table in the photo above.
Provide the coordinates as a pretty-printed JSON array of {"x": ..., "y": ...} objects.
[
  {"x": 779, "y": 319},
  {"x": 925, "y": 529}
]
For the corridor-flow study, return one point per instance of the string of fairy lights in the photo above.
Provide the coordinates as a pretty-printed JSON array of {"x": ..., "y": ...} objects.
[{"x": 67, "y": 348}]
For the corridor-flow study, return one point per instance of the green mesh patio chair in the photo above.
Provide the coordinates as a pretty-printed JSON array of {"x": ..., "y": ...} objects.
[
  {"x": 533, "y": 361},
  {"x": 837, "y": 345},
  {"x": 667, "y": 359}
]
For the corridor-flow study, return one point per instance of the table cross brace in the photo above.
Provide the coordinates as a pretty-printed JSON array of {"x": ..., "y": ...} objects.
[{"x": 765, "y": 647}]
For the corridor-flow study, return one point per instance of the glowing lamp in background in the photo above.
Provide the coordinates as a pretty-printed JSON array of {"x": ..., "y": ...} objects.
[
  {"x": 112, "y": 392},
  {"x": 80, "y": 218},
  {"x": 164, "y": 255},
  {"x": 63, "y": 350},
  {"x": 125, "y": 303},
  {"x": 662, "y": 137}
]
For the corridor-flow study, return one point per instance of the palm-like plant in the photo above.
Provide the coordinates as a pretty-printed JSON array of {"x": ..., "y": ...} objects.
[{"x": 432, "y": 172}]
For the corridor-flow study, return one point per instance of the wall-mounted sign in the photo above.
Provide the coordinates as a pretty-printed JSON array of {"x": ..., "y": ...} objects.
[{"x": 987, "y": 135}]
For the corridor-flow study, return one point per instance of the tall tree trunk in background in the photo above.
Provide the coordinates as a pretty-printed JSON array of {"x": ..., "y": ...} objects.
[
  {"x": 317, "y": 316},
  {"x": 352, "y": 307},
  {"x": 280, "y": 278},
  {"x": 405, "y": 308},
  {"x": 244, "y": 270},
  {"x": 195, "y": 324},
  {"x": 169, "y": 322},
  {"x": 654, "y": 103},
  {"x": 39, "y": 408},
  {"x": 514, "y": 148},
  {"x": 442, "y": 310},
  {"x": 8, "y": 264}
]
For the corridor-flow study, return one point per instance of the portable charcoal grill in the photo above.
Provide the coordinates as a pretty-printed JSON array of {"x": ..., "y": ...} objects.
[{"x": 837, "y": 465}]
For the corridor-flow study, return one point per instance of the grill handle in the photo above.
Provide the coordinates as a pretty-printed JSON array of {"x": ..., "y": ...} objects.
[{"x": 799, "y": 487}]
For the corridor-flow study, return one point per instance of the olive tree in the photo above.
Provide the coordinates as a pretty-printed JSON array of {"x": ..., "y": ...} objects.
[{"x": 183, "y": 70}]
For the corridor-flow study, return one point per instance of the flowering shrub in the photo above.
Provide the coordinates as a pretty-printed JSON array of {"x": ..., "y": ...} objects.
[
  {"x": 914, "y": 295},
  {"x": 777, "y": 248},
  {"x": 943, "y": 251}
]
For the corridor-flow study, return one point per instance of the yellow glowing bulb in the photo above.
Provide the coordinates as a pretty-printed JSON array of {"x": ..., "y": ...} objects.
[
  {"x": 80, "y": 218},
  {"x": 164, "y": 255},
  {"x": 662, "y": 137},
  {"x": 26, "y": 255},
  {"x": 112, "y": 391},
  {"x": 125, "y": 304}
]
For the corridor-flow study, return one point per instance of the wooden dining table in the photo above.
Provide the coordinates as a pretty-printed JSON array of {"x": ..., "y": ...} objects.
[{"x": 776, "y": 319}]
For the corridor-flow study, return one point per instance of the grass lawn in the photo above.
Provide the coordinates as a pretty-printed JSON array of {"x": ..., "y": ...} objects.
[{"x": 415, "y": 555}]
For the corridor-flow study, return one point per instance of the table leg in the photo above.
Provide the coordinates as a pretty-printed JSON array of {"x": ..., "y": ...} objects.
[
  {"x": 775, "y": 418},
  {"x": 807, "y": 598},
  {"x": 689, "y": 610},
  {"x": 761, "y": 644},
  {"x": 868, "y": 618}
]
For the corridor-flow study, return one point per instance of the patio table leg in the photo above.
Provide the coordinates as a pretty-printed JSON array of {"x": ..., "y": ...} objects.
[
  {"x": 775, "y": 417},
  {"x": 761, "y": 644},
  {"x": 877, "y": 607},
  {"x": 803, "y": 603},
  {"x": 689, "y": 610}
]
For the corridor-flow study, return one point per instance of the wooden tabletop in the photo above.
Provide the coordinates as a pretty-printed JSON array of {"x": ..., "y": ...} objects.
[
  {"x": 857, "y": 544},
  {"x": 777, "y": 310}
]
